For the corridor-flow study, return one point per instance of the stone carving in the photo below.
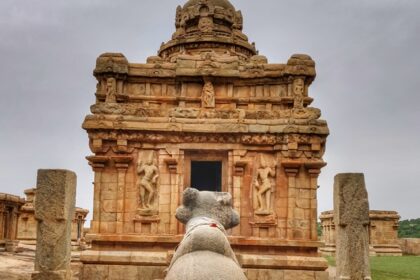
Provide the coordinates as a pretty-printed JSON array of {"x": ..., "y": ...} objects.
[
  {"x": 148, "y": 174},
  {"x": 111, "y": 90},
  {"x": 207, "y": 96},
  {"x": 298, "y": 92},
  {"x": 54, "y": 210},
  {"x": 179, "y": 23},
  {"x": 125, "y": 109},
  {"x": 189, "y": 113},
  {"x": 111, "y": 63},
  {"x": 351, "y": 217},
  {"x": 264, "y": 187},
  {"x": 205, "y": 24},
  {"x": 205, "y": 252}
]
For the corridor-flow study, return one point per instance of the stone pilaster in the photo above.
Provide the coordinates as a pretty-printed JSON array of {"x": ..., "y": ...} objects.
[
  {"x": 291, "y": 169},
  {"x": 314, "y": 169},
  {"x": 172, "y": 165},
  {"x": 98, "y": 164},
  {"x": 121, "y": 164}
]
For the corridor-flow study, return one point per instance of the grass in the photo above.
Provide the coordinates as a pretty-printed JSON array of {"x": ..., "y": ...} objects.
[{"x": 392, "y": 268}]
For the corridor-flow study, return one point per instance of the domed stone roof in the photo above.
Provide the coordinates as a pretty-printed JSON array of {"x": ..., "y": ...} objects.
[
  {"x": 202, "y": 25},
  {"x": 220, "y": 3}
]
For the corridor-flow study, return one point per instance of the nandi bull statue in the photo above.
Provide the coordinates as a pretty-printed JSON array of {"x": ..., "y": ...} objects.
[{"x": 205, "y": 252}]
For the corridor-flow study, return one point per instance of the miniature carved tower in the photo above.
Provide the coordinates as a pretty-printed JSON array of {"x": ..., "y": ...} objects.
[{"x": 207, "y": 112}]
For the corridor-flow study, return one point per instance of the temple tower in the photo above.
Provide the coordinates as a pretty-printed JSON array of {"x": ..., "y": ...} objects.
[{"x": 206, "y": 112}]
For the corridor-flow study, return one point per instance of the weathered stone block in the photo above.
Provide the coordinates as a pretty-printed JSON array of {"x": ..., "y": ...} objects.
[
  {"x": 351, "y": 216},
  {"x": 264, "y": 274},
  {"x": 299, "y": 274},
  {"x": 54, "y": 210}
]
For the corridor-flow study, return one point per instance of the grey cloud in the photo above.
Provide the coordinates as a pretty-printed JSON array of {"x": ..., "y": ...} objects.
[{"x": 367, "y": 85}]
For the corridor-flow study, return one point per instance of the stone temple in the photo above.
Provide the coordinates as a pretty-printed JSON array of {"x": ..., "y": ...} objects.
[{"x": 206, "y": 112}]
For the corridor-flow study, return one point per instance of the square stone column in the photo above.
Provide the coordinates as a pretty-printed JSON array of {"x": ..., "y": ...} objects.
[
  {"x": 54, "y": 211},
  {"x": 351, "y": 216}
]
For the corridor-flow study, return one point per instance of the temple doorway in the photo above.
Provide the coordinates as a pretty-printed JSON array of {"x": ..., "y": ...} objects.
[
  {"x": 206, "y": 175},
  {"x": 206, "y": 170}
]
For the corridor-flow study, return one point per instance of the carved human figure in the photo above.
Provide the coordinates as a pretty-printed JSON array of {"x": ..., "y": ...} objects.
[
  {"x": 111, "y": 90},
  {"x": 298, "y": 92},
  {"x": 264, "y": 188},
  {"x": 208, "y": 100},
  {"x": 147, "y": 183},
  {"x": 205, "y": 24}
]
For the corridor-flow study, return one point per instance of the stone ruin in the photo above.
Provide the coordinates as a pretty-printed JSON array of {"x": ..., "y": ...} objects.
[
  {"x": 205, "y": 252},
  {"x": 383, "y": 233},
  {"x": 9, "y": 215},
  {"x": 207, "y": 112},
  {"x": 27, "y": 231}
]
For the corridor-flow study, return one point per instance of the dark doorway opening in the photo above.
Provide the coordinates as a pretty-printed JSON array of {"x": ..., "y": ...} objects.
[{"x": 206, "y": 175}]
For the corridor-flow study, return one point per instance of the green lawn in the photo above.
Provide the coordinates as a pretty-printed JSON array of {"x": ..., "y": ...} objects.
[{"x": 392, "y": 268}]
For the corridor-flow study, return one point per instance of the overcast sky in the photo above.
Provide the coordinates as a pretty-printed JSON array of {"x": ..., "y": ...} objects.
[{"x": 368, "y": 60}]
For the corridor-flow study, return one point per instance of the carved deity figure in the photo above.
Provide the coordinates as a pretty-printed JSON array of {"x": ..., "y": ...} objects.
[
  {"x": 207, "y": 98},
  {"x": 298, "y": 92},
  {"x": 111, "y": 90},
  {"x": 147, "y": 183},
  {"x": 205, "y": 24},
  {"x": 264, "y": 188}
]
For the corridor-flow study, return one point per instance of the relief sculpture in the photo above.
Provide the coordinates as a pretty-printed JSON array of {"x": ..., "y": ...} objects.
[
  {"x": 111, "y": 90},
  {"x": 264, "y": 187},
  {"x": 148, "y": 175},
  {"x": 298, "y": 92},
  {"x": 208, "y": 100}
]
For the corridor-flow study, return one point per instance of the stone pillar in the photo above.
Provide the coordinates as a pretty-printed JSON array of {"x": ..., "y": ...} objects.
[
  {"x": 54, "y": 211},
  {"x": 351, "y": 216},
  {"x": 98, "y": 164}
]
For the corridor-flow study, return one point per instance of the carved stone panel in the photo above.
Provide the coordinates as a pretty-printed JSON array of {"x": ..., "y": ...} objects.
[
  {"x": 207, "y": 97},
  {"x": 263, "y": 185},
  {"x": 147, "y": 183}
]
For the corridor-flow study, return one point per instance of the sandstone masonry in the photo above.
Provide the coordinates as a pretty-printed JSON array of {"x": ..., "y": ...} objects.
[{"x": 207, "y": 100}]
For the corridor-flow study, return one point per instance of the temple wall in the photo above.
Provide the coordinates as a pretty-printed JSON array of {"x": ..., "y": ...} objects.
[
  {"x": 383, "y": 233},
  {"x": 410, "y": 246}
]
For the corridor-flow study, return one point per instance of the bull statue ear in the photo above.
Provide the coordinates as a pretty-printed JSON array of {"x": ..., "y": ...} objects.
[
  {"x": 183, "y": 214},
  {"x": 224, "y": 199},
  {"x": 190, "y": 197}
]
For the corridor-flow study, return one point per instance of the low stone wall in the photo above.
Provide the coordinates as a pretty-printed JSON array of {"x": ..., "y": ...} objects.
[{"x": 410, "y": 246}]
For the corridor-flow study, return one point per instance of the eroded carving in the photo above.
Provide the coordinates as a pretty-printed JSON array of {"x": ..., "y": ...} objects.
[
  {"x": 298, "y": 92},
  {"x": 205, "y": 24},
  {"x": 111, "y": 90},
  {"x": 207, "y": 95}
]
